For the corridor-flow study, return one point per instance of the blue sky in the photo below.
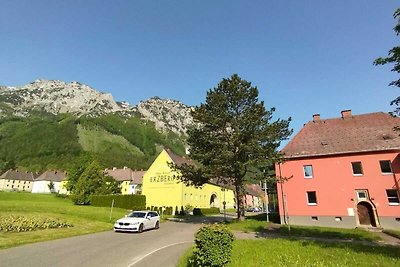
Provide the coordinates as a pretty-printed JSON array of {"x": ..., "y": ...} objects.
[{"x": 305, "y": 57}]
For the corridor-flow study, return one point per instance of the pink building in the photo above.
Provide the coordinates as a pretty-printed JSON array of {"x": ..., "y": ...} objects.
[{"x": 343, "y": 172}]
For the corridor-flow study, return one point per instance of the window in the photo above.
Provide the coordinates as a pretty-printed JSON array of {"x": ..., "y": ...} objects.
[
  {"x": 338, "y": 219},
  {"x": 357, "y": 168},
  {"x": 392, "y": 196},
  {"x": 385, "y": 166},
  {"x": 314, "y": 218},
  {"x": 311, "y": 198},
  {"x": 362, "y": 194},
  {"x": 308, "y": 171}
]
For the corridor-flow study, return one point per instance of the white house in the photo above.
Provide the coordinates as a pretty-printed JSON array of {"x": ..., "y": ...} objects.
[{"x": 42, "y": 184}]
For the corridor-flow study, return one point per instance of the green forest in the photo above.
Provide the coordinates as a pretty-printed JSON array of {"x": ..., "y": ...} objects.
[{"x": 44, "y": 141}]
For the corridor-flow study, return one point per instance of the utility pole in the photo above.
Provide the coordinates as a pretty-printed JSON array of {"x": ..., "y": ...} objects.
[{"x": 266, "y": 198}]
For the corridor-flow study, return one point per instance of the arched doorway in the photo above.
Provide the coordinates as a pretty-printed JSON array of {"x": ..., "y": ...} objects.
[
  {"x": 366, "y": 214},
  {"x": 214, "y": 201}
]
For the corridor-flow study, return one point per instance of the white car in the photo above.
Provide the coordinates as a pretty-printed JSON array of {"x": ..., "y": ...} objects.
[{"x": 137, "y": 221}]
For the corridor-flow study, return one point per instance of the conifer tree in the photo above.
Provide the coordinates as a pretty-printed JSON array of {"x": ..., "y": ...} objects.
[
  {"x": 233, "y": 135},
  {"x": 93, "y": 181}
]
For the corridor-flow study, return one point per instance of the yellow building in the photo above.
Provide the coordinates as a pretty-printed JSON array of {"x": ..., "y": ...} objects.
[
  {"x": 162, "y": 187},
  {"x": 130, "y": 180}
]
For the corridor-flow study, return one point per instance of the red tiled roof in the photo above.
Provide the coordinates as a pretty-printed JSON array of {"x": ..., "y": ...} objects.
[
  {"x": 254, "y": 190},
  {"x": 127, "y": 174},
  {"x": 178, "y": 160},
  {"x": 351, "y": 134},
  {"x": 55, "y": 176},
  {"x": 137, "y": 177}
]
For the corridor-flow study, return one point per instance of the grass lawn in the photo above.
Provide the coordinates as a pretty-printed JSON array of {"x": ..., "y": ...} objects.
[
  {"x": 85, "y": 219},
  {"x": 258, "y": 223},
  {"x": 255, "y": 223},
  {"x": 281, "y": 252}
]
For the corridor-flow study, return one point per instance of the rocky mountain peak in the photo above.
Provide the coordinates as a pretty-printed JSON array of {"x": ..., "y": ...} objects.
[
  {"x": 167, "y": 114},
  {"x": 56, "y": 96}
]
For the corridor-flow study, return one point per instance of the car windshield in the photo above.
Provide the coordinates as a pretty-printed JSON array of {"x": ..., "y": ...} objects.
[{"x": 136, "y": 214}]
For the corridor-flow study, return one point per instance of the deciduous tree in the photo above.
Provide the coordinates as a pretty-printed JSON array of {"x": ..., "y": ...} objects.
[
  {"x": 233, "y": 134},
  {"x": 393, "y": 58}
]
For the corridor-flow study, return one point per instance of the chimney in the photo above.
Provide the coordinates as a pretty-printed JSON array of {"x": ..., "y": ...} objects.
[
  {"x": 316, "y": 117},
  {"x": 346, "y": 113},
  {"x": 125, "y": 167}
]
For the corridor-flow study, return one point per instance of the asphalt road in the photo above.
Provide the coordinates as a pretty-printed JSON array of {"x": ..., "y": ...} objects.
[{"x": 162, "y": 247}]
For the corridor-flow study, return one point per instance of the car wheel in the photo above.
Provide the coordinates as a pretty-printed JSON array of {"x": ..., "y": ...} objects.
[
  {"x": 140, "y": 228},
  {"x": 157, "y": 225}
]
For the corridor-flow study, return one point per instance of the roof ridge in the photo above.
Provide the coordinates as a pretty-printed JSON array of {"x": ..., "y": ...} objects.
[{"x": 363, "y": 132}]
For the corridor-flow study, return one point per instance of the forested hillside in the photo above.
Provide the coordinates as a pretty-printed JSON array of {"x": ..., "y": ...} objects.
[{"x": 44, "y": 141}]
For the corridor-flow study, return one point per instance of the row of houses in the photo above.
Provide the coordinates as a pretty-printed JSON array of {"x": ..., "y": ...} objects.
[
  {"x": 54, "y": 181},
  {"x": 48, "y": 182},
  {"x": 159, "y": 183}
]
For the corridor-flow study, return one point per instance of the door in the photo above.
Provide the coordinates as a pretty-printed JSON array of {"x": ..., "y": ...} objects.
[{"x": 365, "y": 214}]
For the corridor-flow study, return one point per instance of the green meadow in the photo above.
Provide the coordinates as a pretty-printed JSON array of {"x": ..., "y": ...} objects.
[
  {"x": 360, "y": 248},
  {"x": 85, "y": 219},
  {"x": 289, "y": 252}
]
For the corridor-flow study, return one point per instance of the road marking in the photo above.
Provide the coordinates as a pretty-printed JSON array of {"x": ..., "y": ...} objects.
[{"x": 154, "y": 251}]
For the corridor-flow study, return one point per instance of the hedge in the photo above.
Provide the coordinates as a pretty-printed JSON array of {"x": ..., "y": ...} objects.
[
  {"x": 131, "y": 202},
  {"x": 213, "y": 246},
  {"x": 210, "y": 210}
]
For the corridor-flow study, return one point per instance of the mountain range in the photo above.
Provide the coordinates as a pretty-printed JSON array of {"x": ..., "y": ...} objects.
[
  {"x": 55, "y": 97},
  {"x": 49, "y": 124}
]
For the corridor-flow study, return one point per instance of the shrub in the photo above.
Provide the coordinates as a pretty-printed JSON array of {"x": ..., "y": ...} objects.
[
  {"x": 188, "y": 208},
  {"x": 197, "y": 212},
  {"x": 176, "y": 210},
  {"x": 17, "y": 223},
  {"x": 132, "y": 202},
  {"x": 213, "y": 246}
]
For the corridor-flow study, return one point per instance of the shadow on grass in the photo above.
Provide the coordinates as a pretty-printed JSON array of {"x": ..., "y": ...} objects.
[
  {"x": 327, "y": 233},
  {"x": 387, "y": 251}
]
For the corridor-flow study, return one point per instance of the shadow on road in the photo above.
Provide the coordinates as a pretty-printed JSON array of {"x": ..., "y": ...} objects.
[{"x": 203, "y": 219}]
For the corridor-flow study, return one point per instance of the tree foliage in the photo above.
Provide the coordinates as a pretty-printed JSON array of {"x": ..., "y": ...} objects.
[
  {"x": 393, "y": 58},
  {"x": 44, "y": 141},
  {"x": 93, "y": 181},
  {"x": 233, "y": 136},
  {"x": 76, "y": 170}
]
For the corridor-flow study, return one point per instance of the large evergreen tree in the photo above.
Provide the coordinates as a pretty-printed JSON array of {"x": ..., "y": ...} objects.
[
  {"x": 93, "y": 181},
  {"x": 232, "y": 136},
  {"x": 393, "y": 58}
]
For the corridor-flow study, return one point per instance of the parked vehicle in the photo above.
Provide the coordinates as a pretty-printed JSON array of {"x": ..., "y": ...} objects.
[
  {"x": 137, "y": 221},
  {"x": 253, "y": 209}
]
